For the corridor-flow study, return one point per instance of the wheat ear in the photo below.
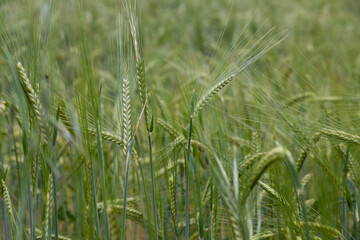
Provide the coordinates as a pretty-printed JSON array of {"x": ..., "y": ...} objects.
[
  {"x": 205, "y": 197},
  {"x": 272, "y": 156},
  {"x": 250, "y": 56},
  {"x": 172, "y": 197},
  {"x": 234, "y": 224},
  {"x": 239, "y": 142},
  {"x": 34, "y": 100},
  {"x": 255, "y": 142},
  {"x": 249, "y": 162},
  {"x": 210, "y": 93},
  {"x": 4, "y": 193},
  {"x": 49, "y": 207},
  {"x": 264, "y": 235},
  {"x": 167, "y": 127},
  {"x": 114, "y": 225},
  {"x": 305, "y": 180},
  {"x": 131, "y": 213},
  {"x": 126, "y": 113},
  {"x": 320, "y": 227},
  {"x": 195, "y": 236},
  {"x": 140, "y": 75},
  {"x": 273, "y": 193},
  {"x": 330, "y": 176},
  {"x": 3, "y": 106},
  {"x": 344, "y": 136},
  {"x": 298, "y": 98},
  {"x": 60, "y": 237},
  {"x": 301, "y": 159},
  {"x": 108, "y": 136}
]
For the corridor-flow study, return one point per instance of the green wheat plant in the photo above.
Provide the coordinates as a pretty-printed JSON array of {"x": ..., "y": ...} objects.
[{"x": 165, "y": 119}]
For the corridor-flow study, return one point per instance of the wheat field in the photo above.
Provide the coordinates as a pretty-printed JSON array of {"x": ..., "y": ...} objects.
[{"x": 169, "y": 119}]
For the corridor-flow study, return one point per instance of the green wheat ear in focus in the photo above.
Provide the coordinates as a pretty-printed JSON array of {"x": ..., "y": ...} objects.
[{"x": 184, "y": 119}]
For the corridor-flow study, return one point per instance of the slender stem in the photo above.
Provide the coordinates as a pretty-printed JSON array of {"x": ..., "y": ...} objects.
[
  {"x": 95, "y": 209},
  {"x": 141, "y": 198},
  {"x": 55, "y": 202},
  {"x": 153, "y": 188},
  {"x": 127, "y": 167},
  {"x": 187, "y": 225},
  {"x": 103, "y": 182}
]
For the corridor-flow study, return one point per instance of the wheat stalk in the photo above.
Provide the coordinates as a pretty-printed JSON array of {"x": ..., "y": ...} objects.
[
  {"x": 214, "y": 214},
  {"x": 89, "y": 227},
  {"x": 353, "y": 165}
]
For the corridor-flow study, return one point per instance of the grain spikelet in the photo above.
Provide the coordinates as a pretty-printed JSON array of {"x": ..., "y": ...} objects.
[
  {"x": 301, "y": 159},
  {"x": 4, "y": 193},
  {"x": 167, "y": 127},
  {"x": 323, "y": 228},
  {"x": 255, "y": 142},
  {"x": 273, "y": 193},
  {"x": 172, "y": 197},
  {"x": 272, "y": 156},
  {"x": 126, "y": 113},
  {"x": 298, "y": 98},
  {"x": 33, "y": 99},
  {"x": 108, "y": 136},
  {"x": 49, "y": 207},
  {"x": 341, "y": 135}
]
